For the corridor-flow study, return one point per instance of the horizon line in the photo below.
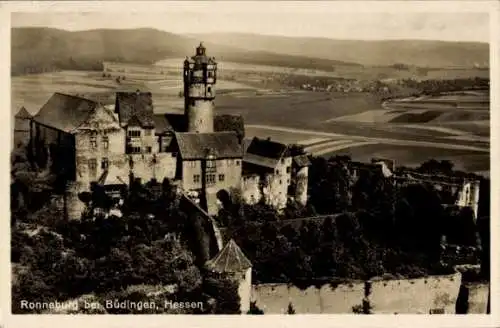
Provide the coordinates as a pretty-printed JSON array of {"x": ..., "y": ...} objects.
[{"x": 248, "y": 33}]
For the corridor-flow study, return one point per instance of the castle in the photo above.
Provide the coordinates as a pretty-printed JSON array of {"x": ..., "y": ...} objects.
[{"x": 92, "y": 143}]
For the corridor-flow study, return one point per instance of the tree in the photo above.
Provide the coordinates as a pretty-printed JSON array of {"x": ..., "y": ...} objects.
[{"x": 254, "y": 309}]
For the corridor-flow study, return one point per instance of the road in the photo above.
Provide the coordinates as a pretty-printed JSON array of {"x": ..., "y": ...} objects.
[{"x": 388, "y": 141}]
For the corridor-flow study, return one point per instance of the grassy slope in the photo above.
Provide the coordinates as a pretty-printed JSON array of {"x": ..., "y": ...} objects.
[
  {"x": 410, "y": 52},
  {"x": 34, "y": 49}
]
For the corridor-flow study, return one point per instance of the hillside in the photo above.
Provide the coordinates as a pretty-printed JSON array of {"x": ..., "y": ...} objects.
[
  {"x": 434, "y": 54},
  {"x": 37, "y": 50}
]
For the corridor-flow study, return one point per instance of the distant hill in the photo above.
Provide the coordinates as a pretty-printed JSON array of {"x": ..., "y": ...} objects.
[
  {"x": 436, "y": 54},
  {"x": 36, "y": 50}
]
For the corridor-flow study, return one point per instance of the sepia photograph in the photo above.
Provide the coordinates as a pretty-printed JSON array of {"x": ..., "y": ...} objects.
[{"x": 250, "y": 162}]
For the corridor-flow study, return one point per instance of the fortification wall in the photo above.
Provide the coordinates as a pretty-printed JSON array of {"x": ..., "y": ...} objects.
[
  {"x": 415, "y": 295},
  {"x": 385, "y": 296},
  {"x": 478, "y": 297}
]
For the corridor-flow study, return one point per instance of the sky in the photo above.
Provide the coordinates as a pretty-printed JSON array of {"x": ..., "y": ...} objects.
[{"x": 448, "y": 26}]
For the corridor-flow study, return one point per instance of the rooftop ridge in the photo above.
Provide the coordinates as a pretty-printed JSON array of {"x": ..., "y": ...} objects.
[{"x": 75, "y": 96}]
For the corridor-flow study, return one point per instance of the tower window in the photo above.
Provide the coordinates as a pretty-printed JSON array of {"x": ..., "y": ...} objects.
[
  {"x": 209, "y": 89},
  {"x": 221, "y": 177},
  {"x": 104, "y": 163},
  {"x": 149, "y": 149},
  {"x": 105, "y": 142},
  {"x": 196, "y": 178}
]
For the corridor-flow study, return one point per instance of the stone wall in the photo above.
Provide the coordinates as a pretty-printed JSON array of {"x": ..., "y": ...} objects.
[
  {"x": 419, "y": 295},
  {"x": 250, "y": 189},
  {"x": 415, "y": 295},
  {"x": 477, "y": 297}
]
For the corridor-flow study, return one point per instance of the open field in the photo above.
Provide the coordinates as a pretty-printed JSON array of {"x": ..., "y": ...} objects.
[{"x": 453, "y": 124}]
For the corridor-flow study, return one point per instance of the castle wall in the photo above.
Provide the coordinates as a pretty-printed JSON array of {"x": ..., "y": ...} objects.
[
  {"x": 87, "y": 154},
  {"x": 415, "y": 295},
  {"x": 245, "y": 290},
  {"x": 419, "y": 295},
  {"x": 276, "y": 185},
  {"x": 250, "y": 189},
  {"x": 275, "y": 191},
  {"x": 153, "y": 166},
  {"x": 227, "y": 175},
  {"x": 478, "y": 297},
  {"x": 301, "y": 179}
]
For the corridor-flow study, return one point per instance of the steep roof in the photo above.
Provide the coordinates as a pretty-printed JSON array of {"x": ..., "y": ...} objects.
[
  {"x": 23, "y": 114},
  {"x": 22, "y": 120},
  {"x": 196, "y": 145},
  {"x": 230, "y": 259},
  {"x": 267, "y": 148},
  {"x": 65, "y": 112},
  {"x": 139, "y": 104},
  {"x": 169, "y": 122}
]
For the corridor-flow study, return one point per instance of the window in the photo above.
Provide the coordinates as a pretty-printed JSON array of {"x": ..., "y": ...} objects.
[
  {"x": 148, "y": 132},
  {"x": 104, "y": 164},
  {"x": 174, "y": 154},
  {"x": 237, "y": 163},
  {"x": 196, "y": 178},
  {"x": 134, "y": 133},
  {"x": 221, "y": 177},
  {"x": 282, "y": 161},
  {"x": 149, "y": 149},
  {"x": 105, "y": 142},
  {"x": 280, "y": 181},
  {"x": 92, "y": 164},
  {"x": 193, "y": 102},
  {"x": 288, "y": 169},
  {"x": 278, "y": 172},
  {"x": 210, "y": 178},
  {"x": 134, "y": 150},
  {"x": 210, "y": 164},
  {"x": 93, "y": 142},
  {"x": 209, "y": 89}
]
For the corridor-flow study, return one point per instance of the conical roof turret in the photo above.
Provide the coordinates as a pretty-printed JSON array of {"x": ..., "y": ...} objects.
[{"x": 229, "y": 260}]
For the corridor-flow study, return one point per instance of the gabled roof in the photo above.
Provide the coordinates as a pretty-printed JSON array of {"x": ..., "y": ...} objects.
[
  {"x": 65, "y": 112},
  {"x": 23, "y": 114},
  {"x": 301, "y": 161},
  {"x": 169, "y": 123},
  {"x": 197, "y": 145},
  {"x": 134, "y": 121},
  {"x": 267, "y": 148},
  {"x": 139, "y": 104},
  {"x": 230, "y": 259}
]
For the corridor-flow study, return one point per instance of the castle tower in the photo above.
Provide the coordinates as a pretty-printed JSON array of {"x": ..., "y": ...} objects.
[
  {"x": 231, "y": 263},
  {"x": 199, "y": 91}
]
